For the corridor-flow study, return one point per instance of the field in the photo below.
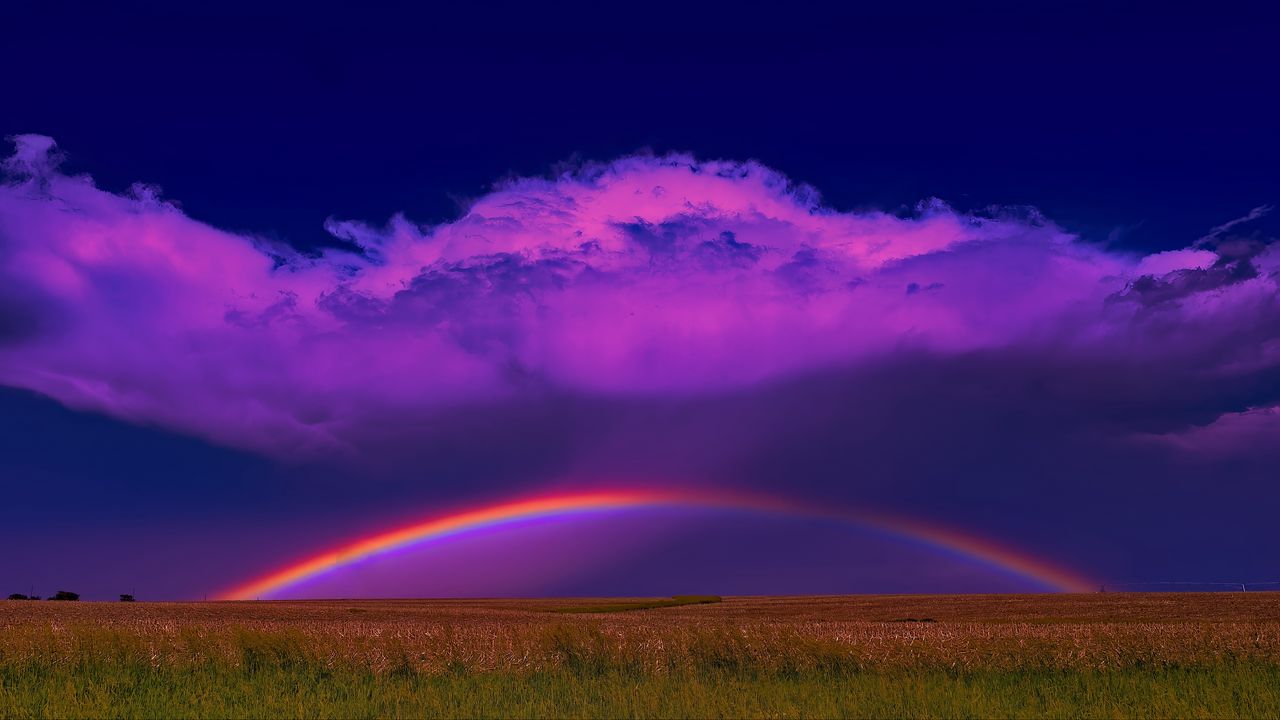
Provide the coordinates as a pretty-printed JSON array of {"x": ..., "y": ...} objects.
[{"x": 1100, "y": 655}]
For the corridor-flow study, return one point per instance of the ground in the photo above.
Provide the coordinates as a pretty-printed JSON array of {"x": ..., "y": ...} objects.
[{"x": 1094, "y": 655}]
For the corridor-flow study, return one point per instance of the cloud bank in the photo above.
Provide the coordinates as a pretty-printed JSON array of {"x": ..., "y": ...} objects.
[{"x": 647, "y": 276}]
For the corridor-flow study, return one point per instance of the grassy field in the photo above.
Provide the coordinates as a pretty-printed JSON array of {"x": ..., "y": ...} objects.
[
  {"x": 1103, "y": 655},
  {"x": 610, "y": 606}
]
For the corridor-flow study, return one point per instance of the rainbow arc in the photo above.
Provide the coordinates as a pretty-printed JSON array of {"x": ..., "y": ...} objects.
[{"x": 1028, "y": 566}]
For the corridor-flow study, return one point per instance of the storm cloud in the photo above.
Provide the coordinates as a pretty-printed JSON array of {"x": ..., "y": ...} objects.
[{"x": 649, "y": 277}]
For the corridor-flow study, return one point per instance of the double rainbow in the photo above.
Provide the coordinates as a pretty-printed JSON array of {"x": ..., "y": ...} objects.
[{"x": 1038, "y": 570}]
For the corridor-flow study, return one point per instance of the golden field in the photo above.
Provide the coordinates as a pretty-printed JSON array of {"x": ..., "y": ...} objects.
[
  {"x": 774, "y": 645},
  {"x": 961, "y": 632}
]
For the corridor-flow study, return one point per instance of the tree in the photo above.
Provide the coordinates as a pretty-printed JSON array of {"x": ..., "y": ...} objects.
[
  {"x": 18, "y": 596},
  {"x": 126, "y": 598},
  {"x": 65, "y": 595}
]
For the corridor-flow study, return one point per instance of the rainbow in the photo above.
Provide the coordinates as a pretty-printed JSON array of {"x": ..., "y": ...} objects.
[{"x": 965, "y": 544}]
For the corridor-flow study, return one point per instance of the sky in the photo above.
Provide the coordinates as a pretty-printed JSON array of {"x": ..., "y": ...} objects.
[{"x": 274, "y": 278}]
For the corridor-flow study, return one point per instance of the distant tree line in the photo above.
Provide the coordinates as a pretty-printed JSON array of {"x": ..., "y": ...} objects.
[{"x": 65, "y": 595}]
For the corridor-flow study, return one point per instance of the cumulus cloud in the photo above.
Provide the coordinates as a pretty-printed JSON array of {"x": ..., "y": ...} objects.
[
  {"x": 1233, "y": 433},
  {"x": 646, "y": 276}
]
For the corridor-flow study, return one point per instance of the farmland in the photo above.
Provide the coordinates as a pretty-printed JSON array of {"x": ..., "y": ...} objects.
[{"x": 1098, "y": 655}]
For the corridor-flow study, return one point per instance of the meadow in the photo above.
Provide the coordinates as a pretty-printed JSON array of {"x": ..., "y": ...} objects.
[{"x": 1098, "y": 655}]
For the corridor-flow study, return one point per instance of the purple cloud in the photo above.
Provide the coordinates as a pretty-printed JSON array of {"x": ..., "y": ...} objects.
[{"x": 645, "y": 276}]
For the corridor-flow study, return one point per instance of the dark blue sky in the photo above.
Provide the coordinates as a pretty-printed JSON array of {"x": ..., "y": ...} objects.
[
  {"x": 1144, "y": 120},
  {"x": 1139, "y": 126}
]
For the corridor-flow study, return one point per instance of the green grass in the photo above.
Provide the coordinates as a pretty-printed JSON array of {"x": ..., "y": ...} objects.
[
  {"x": 291, "y": 689},
  {"x": 675, "y": 601}
]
